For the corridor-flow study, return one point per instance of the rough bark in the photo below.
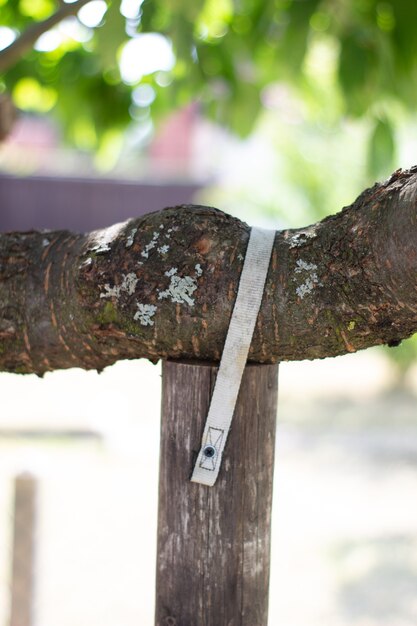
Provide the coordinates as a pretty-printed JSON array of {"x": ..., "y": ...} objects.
[{"x": 163, "y": 286}]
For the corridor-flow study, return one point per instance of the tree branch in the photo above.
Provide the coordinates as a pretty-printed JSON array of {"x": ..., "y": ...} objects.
[
  {"x": 163, "y": 286},
  {"x": 10, "y": 55},
  {"x": 7, "y": 115}
]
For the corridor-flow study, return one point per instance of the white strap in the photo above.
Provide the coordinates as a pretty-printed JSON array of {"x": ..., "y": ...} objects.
[{"x": 234, "y": 357}]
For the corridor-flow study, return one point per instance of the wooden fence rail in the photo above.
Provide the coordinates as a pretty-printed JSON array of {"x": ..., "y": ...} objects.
[
  {"x": 23, "y": 559},
  {"x": 214, "y": 542}
]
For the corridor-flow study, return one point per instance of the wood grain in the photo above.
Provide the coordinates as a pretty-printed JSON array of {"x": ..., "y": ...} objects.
[
  {"x": 22, "y": 578},
  {"x": 214, "y": 542}
]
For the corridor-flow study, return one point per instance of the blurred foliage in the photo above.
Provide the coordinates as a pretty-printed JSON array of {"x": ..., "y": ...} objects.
[
  {"x": 403, "y": 356},
  {"x": 226, "y": 53},
  {"x": 381, "y": 148}
]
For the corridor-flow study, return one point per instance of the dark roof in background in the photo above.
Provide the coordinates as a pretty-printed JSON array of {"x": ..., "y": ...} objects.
[{"x": 80, "y": 204}]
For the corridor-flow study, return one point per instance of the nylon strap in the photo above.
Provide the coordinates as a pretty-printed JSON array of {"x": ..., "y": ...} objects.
[{"x": 234, "y": 357}]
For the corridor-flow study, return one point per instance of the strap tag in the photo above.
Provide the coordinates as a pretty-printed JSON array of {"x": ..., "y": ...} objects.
[{"x": 234, "y": 357}]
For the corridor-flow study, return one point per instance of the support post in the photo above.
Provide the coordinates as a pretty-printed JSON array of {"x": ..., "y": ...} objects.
[
  {"x": 214, "y": 542},
  {"x": 23, "y": 557}
]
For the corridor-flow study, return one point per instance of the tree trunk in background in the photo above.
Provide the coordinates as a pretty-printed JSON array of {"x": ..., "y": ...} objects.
[
  {"x": 7, "y": 115},
  {"x": 163, "y": 286},
  {"x": 214, "y": 543}
]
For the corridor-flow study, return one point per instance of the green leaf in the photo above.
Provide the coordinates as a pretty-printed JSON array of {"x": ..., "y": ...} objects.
[
  {"x": 111, "y": 35},
  {"x": 381, "y": 153},
  {"x": 358, "y": 66},
  {"x": 289, "y": 32}
]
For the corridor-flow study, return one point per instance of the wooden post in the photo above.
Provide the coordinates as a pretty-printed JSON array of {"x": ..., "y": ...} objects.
[
  {"x": 21, "y": 604},
  {"x": 214, "y": 542}
]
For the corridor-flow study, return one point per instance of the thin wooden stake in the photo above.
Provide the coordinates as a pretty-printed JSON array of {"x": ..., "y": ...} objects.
[
  {"x": 21, "y": 605},
  {"x": 214, "y": 542}
]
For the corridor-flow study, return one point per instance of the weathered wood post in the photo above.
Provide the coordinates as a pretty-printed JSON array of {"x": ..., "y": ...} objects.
[
  {"x": 23, "y": 556},
  {"x": 214, "y": 542}
]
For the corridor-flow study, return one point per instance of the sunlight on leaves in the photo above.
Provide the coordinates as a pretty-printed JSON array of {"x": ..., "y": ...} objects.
[
  {"x": 109, "y": 150},
  {"x": 146, "y": 54},
  {"x": 37, "y": 9},
  {"x": 92, "y": 13},
  {"x": 30, "y": 95},
  {"x": 83, "y": 133},
  {"x": 213, "y": 21},
  {"x": 7, "y": 36}
]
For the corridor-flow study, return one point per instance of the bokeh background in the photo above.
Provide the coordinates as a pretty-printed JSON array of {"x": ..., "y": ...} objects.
[{"x": 279, "y": 112}]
